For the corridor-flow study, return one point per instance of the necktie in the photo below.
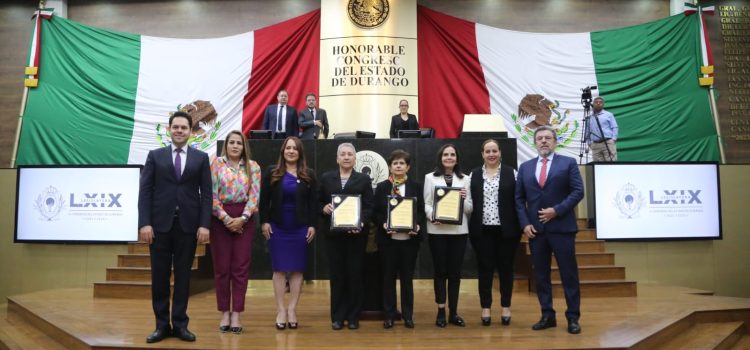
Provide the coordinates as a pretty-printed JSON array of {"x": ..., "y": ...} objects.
[
  {"x": 312, "y": 112},
  {"x": 278, "y": 118},
  {"x": 543, "y": 173},
  {"x": 178, "y": 164}
]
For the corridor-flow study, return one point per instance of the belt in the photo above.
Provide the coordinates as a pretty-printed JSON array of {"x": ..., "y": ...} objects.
[{"x": 601, "y": 141}]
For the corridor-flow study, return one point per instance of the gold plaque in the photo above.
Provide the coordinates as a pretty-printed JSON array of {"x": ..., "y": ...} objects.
[
  {"x": 346, "y": 213},
  {"x": 448, "y": 205},
  {"x": 368, "y": 13}
]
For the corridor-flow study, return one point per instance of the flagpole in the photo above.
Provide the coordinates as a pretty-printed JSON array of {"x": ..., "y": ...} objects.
[
  {"x": 715, "y": 114},
  {"x": 24, "y": 98}
]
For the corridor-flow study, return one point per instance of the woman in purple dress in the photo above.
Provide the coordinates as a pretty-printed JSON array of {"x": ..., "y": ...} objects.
[{"x": 288, "y": 203}]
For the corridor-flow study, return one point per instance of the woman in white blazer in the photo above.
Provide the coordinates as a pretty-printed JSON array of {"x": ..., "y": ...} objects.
[{"x": 447, "y": 242}]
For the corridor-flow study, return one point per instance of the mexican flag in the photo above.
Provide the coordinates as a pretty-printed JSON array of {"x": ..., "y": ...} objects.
[
  {"x": 105, "y": 97},
  {"x": 647, "y": 74}
]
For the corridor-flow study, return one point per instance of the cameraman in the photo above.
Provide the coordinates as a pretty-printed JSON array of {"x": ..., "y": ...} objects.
[{"x": 602, "y": 133}]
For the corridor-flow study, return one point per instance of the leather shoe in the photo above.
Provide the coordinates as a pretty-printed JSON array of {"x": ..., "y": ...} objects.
[
  {"x": 544, "y": 323},
  {"x": 158, "y": 335},
  {"x": 184, "y": 334},
  {"x": 337, "y": 325},
  {"x": 409, "y": 323},
  {"x": 224, "y": 328},
  {"x": 486, "y": 321},
  {"x": 456, "y": 320},
  {"x": 388, "y": 323},
  {"x": 573, "y": 326},
  {"x": 353, "y": 325},
  {"x": 292, "y": 325},
  {"x": 441, "y": 322}
]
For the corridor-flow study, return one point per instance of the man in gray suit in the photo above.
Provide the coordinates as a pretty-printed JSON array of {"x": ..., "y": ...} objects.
[
  {"x": 174, "y": 213},
  {"x": 313, "y": 120}
]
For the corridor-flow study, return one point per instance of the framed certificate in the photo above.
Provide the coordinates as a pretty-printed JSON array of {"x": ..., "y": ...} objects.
[
  {"x": 346, "y": 212},
  {"x": 448, "y": 205},
  {"x": 402, "y": 214}
]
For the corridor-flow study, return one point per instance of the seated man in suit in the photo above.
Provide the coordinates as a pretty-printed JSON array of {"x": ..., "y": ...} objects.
[
  {"x": 547, "y": 190},
  {"x": 281, "y": 118},
  {"x": 313, "y": 120}
]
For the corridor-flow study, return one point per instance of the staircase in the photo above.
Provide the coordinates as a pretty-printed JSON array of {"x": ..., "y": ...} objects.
[
  {"x": 131, "y": 278},
  {"x": 598, "y": 274}
]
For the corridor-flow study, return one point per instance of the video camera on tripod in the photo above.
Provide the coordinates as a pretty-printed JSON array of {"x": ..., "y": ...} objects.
[{"x": 586, "y": 97}]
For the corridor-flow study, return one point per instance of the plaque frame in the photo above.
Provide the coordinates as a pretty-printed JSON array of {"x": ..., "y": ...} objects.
[
  {"x": 398, "y": 200},
  {"x": 336, "y": 200},
  {"x": 438, "y": 193}
]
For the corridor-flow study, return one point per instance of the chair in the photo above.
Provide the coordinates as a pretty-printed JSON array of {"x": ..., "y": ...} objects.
[
  {"x": 427, "y": 133},
  {"x": 345, "y": 135}
]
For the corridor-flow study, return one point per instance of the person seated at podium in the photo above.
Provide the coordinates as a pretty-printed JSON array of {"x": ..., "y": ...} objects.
[
  {"x": 398, "y": 250},
  {"x": 288, "y": 208},
  {"x": 345, "y": 248},
  {"x": 403, "y": 120},
  {"x": 447, "y": 241},
  {"x": 236, "y": 187},
  {"x": 494, "y": 231}
]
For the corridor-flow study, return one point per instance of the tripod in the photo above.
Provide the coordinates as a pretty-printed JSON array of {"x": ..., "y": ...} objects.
[{"x": 586, "y": 103}]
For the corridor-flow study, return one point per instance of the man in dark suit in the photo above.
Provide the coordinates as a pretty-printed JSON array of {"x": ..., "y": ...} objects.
[
  {"x": 547, "y": 190},
  {"x": 313, "y": 120},
  {"x": 281, "y": 118},
  {"x": 174, "y": 213}
]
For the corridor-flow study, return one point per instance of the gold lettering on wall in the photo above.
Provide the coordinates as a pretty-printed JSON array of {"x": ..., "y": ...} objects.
[{"x": 735, "y": 32}]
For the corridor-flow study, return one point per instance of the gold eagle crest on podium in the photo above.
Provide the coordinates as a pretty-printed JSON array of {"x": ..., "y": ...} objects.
[{"x": 368, "y": 13}]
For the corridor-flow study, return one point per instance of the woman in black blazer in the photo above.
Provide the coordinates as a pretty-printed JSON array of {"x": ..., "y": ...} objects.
[
  {"x": 288, "y": 208},
  {"x": 345, "y": 249},
  {"x": 403, "y": 120},
  {"x": 398, "y": 250},
  {"x": 494, "y": 230}
]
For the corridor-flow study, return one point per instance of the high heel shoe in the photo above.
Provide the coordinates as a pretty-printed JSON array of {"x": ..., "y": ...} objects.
[
  {"x": 236, "y": 330},
  {"x": 486, "y": 321},
  {"x": 440, "y": 319},
  {"x": 280, "y": 326},
  {"x": 224, "y": 328},
  {"x": 505, "y": 320},
  {"x": 293, "y": 325}
]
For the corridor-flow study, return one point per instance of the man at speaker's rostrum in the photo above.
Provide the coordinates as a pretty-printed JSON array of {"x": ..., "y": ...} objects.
[
  {"x": 313, "y": 121},
  {"x": 281, "y": 118},
  {"x": 547, "y": 190}
]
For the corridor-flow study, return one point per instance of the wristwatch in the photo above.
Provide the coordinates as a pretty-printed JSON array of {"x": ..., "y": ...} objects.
[{"x": 245, "y": 217}]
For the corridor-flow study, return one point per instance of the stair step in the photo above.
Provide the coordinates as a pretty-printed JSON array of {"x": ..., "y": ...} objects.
[
  {"x": 586, "y": 234},
  {"x": 582, "y": 223},
  {"x": 594, "y": 273},
  {"x": 592, "y": 259},
  {"x": 743, "y": 343},
  {"x": 714, "y": 335},
  {"x": 131, "y": 274},
  {"x": 124, "y": 290},
  {"x": 142, "y": 248},
  {"x": 602, "y": 288},
  {"x": 582, "y": 246},
  {"x": 142, "y": 260},
  {"x": 17, "y": 334}
]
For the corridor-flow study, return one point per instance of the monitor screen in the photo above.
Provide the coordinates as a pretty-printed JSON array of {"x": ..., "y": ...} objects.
[
  {"x": 406, "y": 134},
  {"x": 642, "y": 201},
  {"x": 77, "y": 204},
  {"x": 260, "y": 134}
]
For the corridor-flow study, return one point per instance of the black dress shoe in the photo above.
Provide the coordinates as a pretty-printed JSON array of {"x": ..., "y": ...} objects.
[
  {"x": 158, "y": 335},
  {"x": 505, "y": 320},
  {"x": 544, "y": 323},
  {"x": 573, "y": 326},
  {"x": 337, "y": 325},
  {"x": 409, "y": 323},
  {"x": 353, "y": 325},
  {"x": 184, "y": 334},
  {"x": 456, "y": 320},
  {"x": 441, "y": 322},
  {"x": 224, "y": 328},
  {"x": 293, "y": 325},
  {"x": 388, "y": 323},
  {"x": 486, "y": 321}
]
